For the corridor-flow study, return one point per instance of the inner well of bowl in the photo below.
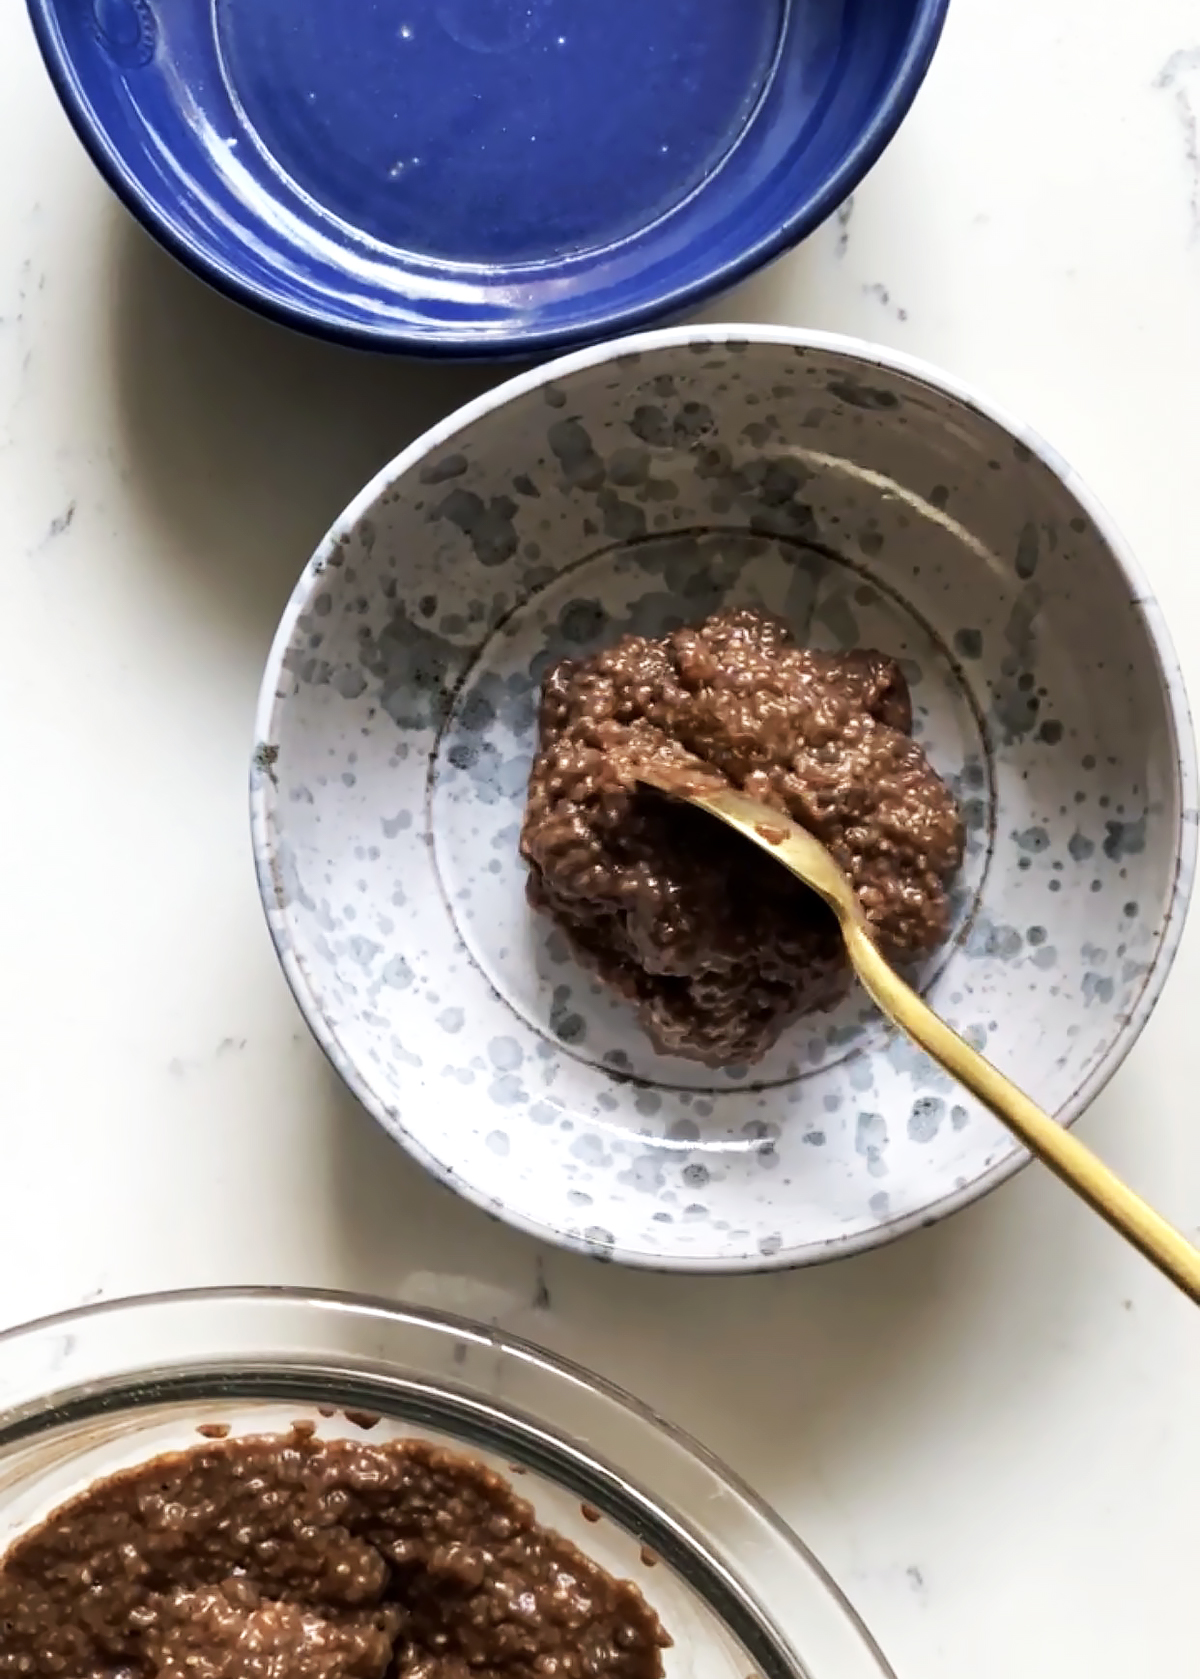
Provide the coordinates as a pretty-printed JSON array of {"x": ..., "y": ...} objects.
[
  {"x": 865, "y": 506},
  {"x": 648, "y": 586},
  {"x": 498, "y": 131}
]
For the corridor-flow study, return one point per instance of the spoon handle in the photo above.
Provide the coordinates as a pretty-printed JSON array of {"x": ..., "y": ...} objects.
[{"x": 1056, "y": 1147}]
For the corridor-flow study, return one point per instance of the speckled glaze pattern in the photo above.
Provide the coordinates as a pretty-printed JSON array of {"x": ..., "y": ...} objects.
[{"x": 870, "y": 501}]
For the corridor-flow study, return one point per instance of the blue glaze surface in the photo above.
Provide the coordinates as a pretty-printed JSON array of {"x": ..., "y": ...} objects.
[{"x": 483, "y": 177}]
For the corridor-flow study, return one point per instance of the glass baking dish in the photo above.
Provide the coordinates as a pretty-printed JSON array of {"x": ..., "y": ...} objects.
[{"x": 89, "y": 1393}]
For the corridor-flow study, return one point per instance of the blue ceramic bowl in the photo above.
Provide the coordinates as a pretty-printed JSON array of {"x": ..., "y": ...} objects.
[{"x": 483, "y": 177}]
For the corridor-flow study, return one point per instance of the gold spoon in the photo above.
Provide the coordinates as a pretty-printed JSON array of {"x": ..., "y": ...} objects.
[{"x": 1065, "y": 1155}]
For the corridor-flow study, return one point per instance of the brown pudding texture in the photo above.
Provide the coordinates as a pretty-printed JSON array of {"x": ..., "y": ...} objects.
[
  {"x": 289, "y": 1557},
  {"x": 719, "y": 949}
]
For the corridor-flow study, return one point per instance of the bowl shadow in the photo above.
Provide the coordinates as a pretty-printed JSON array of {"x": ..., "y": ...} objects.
[{"x": 249, "y": 439}]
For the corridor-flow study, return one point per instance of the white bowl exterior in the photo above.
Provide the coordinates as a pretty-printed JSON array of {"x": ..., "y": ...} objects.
[{"x": 396, "y": 722}]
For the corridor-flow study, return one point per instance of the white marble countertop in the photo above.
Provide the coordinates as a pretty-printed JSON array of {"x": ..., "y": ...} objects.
[{"x": 987, "y": 1432}]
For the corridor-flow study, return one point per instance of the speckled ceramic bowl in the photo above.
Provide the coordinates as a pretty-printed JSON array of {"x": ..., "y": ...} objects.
[{"x": 869, "y": 500}]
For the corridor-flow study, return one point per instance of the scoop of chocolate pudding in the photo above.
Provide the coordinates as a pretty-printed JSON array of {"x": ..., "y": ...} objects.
[
  {"x": 719, "y": 950},
  {"x": 295, "y": 1558}
]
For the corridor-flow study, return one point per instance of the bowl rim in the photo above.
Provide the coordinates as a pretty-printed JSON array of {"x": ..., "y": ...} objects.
[
  {"x": 1142, "y": 599},
  {"x": 242, "y": 1318},
  {"x": 924, "y": 35}
]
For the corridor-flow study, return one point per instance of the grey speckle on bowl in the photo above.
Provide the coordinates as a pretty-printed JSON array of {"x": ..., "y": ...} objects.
[{"x": 639, "y": 486}]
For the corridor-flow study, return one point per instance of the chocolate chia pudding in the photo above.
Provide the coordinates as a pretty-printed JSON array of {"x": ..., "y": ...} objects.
[
  {"x": 719, "y": 950},
  {"x": 290, "y": 1557}
]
